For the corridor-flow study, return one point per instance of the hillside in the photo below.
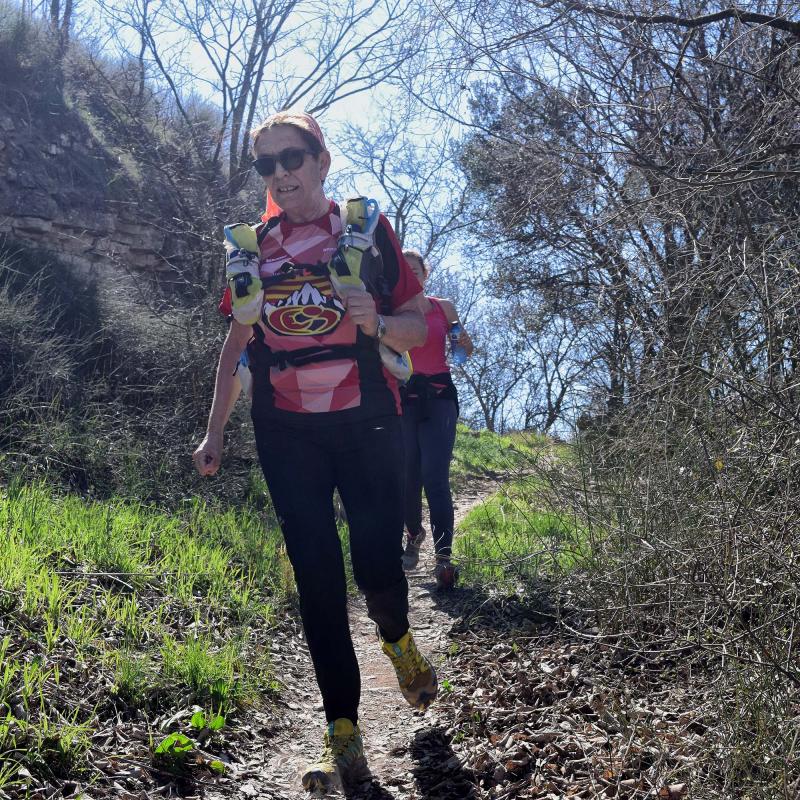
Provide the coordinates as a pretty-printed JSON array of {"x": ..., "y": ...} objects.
[
  {"x": 95, "y": 175},
  {"x": 148, "y": 654},
  {"x": 610, "y": 198}
]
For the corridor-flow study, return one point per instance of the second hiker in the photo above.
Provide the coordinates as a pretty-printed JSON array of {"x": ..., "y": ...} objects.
[{"x": 430, "y": 411}]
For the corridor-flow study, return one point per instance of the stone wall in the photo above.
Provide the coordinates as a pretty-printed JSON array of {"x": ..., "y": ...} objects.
[{"x": 62, "y": 190}]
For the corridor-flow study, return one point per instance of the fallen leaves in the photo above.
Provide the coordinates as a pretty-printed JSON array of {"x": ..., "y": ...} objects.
[{"x": 549, "y": 715}]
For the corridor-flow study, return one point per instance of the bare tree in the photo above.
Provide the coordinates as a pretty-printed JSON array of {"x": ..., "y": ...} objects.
[
  {"x": 559, "y": 359},
  {"x": 254, "y": 56},
  {"x": 61, "y": 18},
  {"x": 410, "y": 156},
  {"x": 642, "y": 171},
  {"x": 496, "y": 371}
]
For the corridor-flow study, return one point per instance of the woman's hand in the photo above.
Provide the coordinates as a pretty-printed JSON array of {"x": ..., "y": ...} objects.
[
  {"x": 452, "y": 317},
  {"x": 465, "y": 342},
  {"x": 360, "y": 306},
  {"x": 208, "y": 456}
]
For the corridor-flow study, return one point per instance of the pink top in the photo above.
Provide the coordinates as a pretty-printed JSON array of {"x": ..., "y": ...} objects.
[{"x": 431, "y": 359}]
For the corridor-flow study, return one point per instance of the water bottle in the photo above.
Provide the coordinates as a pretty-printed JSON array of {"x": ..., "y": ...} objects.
[{"x": 458, "y": 355}]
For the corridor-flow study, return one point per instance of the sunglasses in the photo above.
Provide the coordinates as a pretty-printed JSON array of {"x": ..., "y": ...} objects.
[{"x": 290, "y": 158}]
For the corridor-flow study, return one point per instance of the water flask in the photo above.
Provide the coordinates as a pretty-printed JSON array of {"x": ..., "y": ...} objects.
[{"x": 458, "y": 355}]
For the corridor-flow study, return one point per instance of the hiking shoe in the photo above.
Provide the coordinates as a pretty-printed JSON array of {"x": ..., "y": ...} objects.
[
  {"x": 415, "y": 674},
  {"x": 446, "y": 574},
  {"x": 411, "y": 551},
  {"x": 342, "y": 758}
]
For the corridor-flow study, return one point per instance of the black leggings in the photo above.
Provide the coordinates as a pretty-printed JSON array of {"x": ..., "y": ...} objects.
[
  {"x": 429, "y": 449},
  {"x": 302, "y": 467}
]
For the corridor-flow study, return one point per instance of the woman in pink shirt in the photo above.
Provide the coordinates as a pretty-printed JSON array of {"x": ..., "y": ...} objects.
[{"x": 430, "y": 411}]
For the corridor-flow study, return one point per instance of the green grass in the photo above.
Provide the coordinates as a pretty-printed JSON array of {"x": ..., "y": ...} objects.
[
  {"x": 509, "y": 541},
  {"x": 482, "y": 452},
  {"x": 174, "y": 609}
]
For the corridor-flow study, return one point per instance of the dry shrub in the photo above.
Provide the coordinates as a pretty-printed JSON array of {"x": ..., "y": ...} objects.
[
  {"x": 691, "y": 496},
  {"x": 100, "y": 394}
]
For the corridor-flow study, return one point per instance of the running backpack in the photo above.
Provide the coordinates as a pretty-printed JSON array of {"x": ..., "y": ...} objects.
[{"x": 353, "y": 260}]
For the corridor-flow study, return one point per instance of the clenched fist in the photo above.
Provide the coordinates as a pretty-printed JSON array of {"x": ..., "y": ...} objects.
[
  {"x": 208, "y": 455},
  {"x": 360, "y": 305}
]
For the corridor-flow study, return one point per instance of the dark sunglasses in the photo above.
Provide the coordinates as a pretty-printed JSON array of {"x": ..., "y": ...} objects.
[{"x": 290, "y": 158}]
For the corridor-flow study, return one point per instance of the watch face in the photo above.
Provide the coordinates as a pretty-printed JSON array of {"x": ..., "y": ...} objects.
[{"x": 381, "y": 332}]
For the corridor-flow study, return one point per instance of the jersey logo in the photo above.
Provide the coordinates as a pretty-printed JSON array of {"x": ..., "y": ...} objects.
[{"x": 303, "y": 312}]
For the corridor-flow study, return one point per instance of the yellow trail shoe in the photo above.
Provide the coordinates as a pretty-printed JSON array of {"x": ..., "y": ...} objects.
[
  {"x": 342, "y": 760},
  {"x": 415, "y": 674}
]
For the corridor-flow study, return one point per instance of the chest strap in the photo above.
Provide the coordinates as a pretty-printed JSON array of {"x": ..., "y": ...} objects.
[{"x": 307, "y": 355}]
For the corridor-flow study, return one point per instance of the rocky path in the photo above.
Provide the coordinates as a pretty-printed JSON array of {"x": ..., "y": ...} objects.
[{"x": 401, "y": 744}]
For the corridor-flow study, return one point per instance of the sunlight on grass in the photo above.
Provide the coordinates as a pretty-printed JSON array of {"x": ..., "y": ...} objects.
[
  {"x": 508, "y": 541},
  {"x": 480, "y": 452},
  {"x": 213, "y": 672},
  {"x": 165, "y": 603},
  {"x": 133, "y": 673}
]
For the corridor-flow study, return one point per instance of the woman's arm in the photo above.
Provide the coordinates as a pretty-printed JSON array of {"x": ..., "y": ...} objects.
[
  {"x": 405, "y": 328},
  {"x": 452, "y": 316},
  {"x": 208, "y": 456}
]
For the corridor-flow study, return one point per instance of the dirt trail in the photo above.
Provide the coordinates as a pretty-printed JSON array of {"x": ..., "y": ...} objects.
[{"x": 397, "y": 739}]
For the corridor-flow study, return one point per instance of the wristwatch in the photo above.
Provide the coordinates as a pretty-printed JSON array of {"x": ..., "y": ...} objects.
[{"x": 381, "y": 330}]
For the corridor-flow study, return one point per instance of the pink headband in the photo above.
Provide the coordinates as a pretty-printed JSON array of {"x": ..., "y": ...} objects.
[{"x": 307, "y": 123}]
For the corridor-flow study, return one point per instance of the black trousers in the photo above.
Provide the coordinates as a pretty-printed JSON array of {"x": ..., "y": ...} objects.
[
  {"x": 302, "y": 466},
  {"x": 429, "y": 440}
]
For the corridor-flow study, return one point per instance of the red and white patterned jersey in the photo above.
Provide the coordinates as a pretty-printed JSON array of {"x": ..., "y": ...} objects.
[{"x": 301, "y": 311}]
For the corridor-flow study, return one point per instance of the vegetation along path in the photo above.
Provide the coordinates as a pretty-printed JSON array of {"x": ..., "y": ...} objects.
[
  {"x": 135, "y": 662},
  {"x": 535, "y": 702}
]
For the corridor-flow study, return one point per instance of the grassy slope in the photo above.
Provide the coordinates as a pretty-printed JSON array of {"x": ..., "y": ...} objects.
[
  {"x": 480, "y": 453},
  {"x": 509, "y": 540},
  {"x": 113, "y": 609}
]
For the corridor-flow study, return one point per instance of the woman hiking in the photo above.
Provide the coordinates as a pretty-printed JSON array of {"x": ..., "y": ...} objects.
[
  {"x": 430, "y": 411},
  {"x": 325, "y": 416}
]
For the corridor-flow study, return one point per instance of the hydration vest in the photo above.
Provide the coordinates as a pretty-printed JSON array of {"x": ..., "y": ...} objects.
[{"x": 355, "y": 264}]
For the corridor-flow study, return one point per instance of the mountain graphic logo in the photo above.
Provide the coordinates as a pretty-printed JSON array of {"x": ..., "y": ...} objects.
[{"x": 304, "y": 312}]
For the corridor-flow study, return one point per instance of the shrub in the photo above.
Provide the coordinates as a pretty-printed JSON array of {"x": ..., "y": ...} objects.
[{"x": 101, "y": 394}]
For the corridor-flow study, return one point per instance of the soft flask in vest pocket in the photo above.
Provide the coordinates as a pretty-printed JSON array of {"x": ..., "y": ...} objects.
[
  {"x": 399, "y": 364},
  {"x": 242, "y": 273},
  {"x": 354, "y": 262}
]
